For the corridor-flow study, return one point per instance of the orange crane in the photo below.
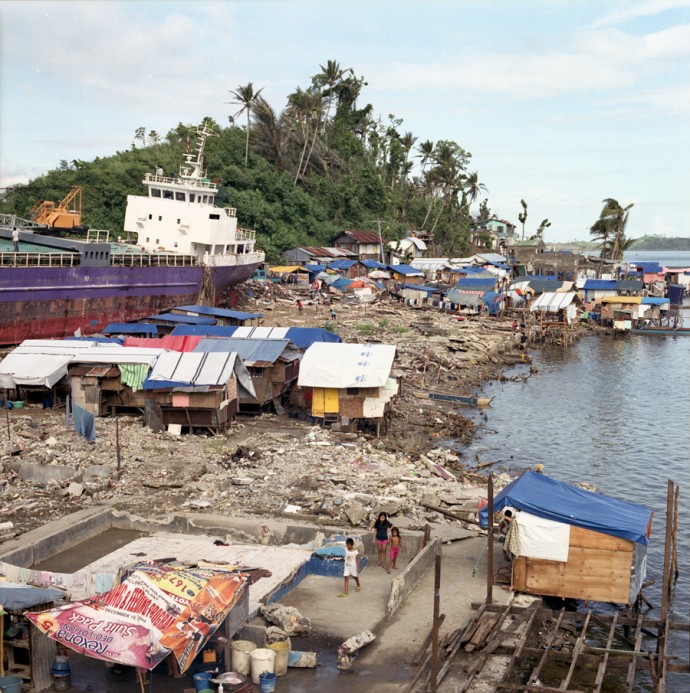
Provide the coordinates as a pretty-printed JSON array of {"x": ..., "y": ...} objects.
[{"x": 65, "y": 215}]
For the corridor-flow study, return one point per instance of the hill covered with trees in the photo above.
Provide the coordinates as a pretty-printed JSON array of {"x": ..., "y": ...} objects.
[
  {"x": 661, "y": 243},
  {"x": 322, "y": 164}
]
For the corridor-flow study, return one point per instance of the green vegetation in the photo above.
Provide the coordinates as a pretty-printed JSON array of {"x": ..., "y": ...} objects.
[
  {"x": 609, "y": 230},
  {"x": 323, "y": 164},
  {"x": 661, "y": 243},
  {"x": 366, "y": 328},
  {"x": 398, "y": 329}
]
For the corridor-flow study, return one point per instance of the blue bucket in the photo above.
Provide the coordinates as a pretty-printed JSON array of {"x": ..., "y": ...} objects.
[
  {"x": 267, "y": 682},
  {"x": 10, "y": 684},
  {"x": 60, "y": 669},
  {"x": 202, "y": 680}
]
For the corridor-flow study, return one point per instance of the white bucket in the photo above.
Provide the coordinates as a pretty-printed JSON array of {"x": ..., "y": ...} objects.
[
  {"x": 241, "y": 660},
  {"x": 262, "y": 662}
]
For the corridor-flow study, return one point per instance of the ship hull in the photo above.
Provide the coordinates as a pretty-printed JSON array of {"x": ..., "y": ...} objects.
[{"x": 45, "y": 302}]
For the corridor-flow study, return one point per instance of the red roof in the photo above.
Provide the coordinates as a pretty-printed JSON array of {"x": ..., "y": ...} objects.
[
  {"x": 169, "y": 341},
  {"x": 362, "y": 236}
]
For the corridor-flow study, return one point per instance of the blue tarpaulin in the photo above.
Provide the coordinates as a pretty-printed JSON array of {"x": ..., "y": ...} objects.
[
  {"x": 555, "y": 500},
  {"x": 217, "y": 312},
  {"x": 341, "y": 264},
  {"x": 17, "y": 597},
  {"x": 131, "y": 328},
  {"x": 183, "y": 319}
]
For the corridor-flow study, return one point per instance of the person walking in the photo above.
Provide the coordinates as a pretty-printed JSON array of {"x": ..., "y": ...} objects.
[
  {"x": 352, "y": 567},
  {"x": 15, "y": 239}
]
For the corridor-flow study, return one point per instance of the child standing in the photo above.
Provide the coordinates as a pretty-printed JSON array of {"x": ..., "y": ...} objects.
[
  {"x": 381, "y": 527},
  {"x": 352, "y": 566},
  {"x": 396, "y": 545}
]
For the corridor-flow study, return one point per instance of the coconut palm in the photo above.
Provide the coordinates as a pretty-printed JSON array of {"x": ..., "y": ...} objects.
[
  {"x": 246, "y": 97},
  {"x": 473, "y": 187},
  {"x": 522, "y": 217},
  {"x": 617, "y": 217}
]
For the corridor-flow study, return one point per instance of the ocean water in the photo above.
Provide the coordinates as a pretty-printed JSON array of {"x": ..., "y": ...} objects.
[{"x": 614, "y": 412}]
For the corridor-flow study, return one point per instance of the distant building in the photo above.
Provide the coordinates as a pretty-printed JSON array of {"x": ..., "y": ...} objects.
[{"x": 366, "y": 245}]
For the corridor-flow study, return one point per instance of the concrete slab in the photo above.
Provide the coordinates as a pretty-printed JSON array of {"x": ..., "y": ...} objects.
[
  {"x": 284, "y": 563},
  {"x": 316, "y": 597}
]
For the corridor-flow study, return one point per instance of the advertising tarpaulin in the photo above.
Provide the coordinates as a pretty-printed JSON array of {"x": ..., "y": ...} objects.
[{"x": 156, "y": 609}]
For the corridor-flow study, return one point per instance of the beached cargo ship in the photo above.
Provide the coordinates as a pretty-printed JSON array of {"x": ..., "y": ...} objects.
[{"x": 177, "y": 248}]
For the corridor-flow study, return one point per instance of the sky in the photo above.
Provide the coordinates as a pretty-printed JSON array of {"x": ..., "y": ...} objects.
[{"x": 562, "y": 103}]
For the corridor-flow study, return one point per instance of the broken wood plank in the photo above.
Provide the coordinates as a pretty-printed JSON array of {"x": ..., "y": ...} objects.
[{"x": 447, "y": 513}]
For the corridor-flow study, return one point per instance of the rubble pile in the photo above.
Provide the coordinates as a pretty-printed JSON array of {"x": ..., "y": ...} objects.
[
  {"x": 263, "y": 466},
  {"x": 277, "y": 465}
]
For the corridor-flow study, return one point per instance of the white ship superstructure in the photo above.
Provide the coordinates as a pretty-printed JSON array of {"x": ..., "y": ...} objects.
[{"x": 180, "y": 216}]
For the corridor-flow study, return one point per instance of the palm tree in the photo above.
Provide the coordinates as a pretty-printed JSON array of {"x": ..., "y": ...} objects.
[
  {"x": 246, "y": 97},
  {"x": 426, "y": 151},
  {"x": 540, "y": 231},
  {"x": 617, "y": 217},
  {"x": 473, "y": 187},
  {"x": 272, "y": 141}
]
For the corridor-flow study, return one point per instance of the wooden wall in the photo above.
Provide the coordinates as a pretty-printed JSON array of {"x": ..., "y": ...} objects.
[{"x": 598, "y": 569}]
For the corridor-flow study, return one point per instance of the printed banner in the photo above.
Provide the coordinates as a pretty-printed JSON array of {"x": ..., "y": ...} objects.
[{"x": 155, "y": 610}]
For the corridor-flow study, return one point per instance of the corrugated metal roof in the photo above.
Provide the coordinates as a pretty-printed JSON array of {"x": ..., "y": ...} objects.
[
  {"x": 600, "y": 284},
  {"x": 553, "y": 301},
  {"x": 191, "y": 369},
  {"x": 406, "y": 270},
  {"x": 362, "y": 236},
  {"x": 622, "y": 299},
  {"x": 251, "y": 351},
  {"x": 301, "y": 337},
  {"x": 218, "y": 312},
  {"x": 629, "y": 285},
  {"x": 182, "y": 319},
  {"x": 130, "y": 328}
]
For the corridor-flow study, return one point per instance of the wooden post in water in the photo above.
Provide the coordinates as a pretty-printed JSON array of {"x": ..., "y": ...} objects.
[
  {"x": 675, "y": 533},
  {"x": 434, "y": 636},
  {"x": 666, "y": 584},
  {"x": 490, "y": 542}
]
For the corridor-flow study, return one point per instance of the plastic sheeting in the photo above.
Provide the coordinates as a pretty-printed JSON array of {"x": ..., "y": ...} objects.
[
  {"x": 542, "y": 538},
  {"x": 42, "y": 370},
  {"x": 346, "y": 365},
  {"x": 553, "y": 301},
  {"x": 546, "y": 497},
  {"x": 15, "y": 596}
]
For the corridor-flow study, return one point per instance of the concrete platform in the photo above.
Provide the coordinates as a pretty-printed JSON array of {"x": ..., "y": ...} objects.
[{"x": 284, "y": 563}]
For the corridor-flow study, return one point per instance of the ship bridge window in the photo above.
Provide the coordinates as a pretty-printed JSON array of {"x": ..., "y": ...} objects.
[
  {"x": 218, "y": 250},
  {"x": 167, "y": 195},
  {"x": 240, "y": 248},
  {"x": 179, "y": 196},
  {"x": 150, "y": 216},
  {"x": 215, "y": 217},
  {"x": 155, "y": 192},
  {"x": 192, "y": 197}
]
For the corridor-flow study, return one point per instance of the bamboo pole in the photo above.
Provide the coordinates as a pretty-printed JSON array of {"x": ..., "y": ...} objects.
[
  {"x": 490, "y": 542},
  {"x": 434, "y": 637},
  {"x": 675, "y": 534}
]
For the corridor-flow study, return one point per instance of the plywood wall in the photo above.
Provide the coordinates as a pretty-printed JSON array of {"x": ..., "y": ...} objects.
[{"x": 598, "y": 569}]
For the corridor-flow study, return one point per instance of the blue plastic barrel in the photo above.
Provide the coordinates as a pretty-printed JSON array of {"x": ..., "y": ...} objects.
[
  {"x": 267, "y": 682},
  {"x": 10, "y": 684},
  {"x": 201, "y": 681}
]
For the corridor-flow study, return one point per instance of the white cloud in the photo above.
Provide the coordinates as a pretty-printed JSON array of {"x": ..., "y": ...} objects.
[{"x": 637, "y": 9}]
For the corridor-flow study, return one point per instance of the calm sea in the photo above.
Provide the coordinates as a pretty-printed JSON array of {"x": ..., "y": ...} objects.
[{"x": 615, "y": 412}]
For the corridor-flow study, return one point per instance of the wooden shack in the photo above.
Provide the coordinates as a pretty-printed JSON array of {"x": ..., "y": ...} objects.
[
  {"x": 573, "y": 543},
  {"x": 197, "y": 390},
  {"x": 272, "y": 364},
  {"x": 359, "y": 391}
]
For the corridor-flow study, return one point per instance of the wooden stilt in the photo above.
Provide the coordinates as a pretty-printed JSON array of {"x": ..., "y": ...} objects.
[{"x": 434, "y": 636}]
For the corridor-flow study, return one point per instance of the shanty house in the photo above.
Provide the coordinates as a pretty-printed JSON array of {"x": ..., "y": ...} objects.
[
  {"x": 573, "y": 543},
  {"x": 406, "y": 250},
  {"x": 595, "y": 289},
  {"x": 358, "y": 390},
  {"x": 198, "y": 390},
  {"x": 301, "y": 337},
  {"x": 316, "y": 254},
  {"x": 273, "y": 365},
  {"x": 406, "y": 274},
  {"x": 365, "y": 244}
]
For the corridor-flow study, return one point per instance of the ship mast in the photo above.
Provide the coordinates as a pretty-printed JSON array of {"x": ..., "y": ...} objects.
[{"x": 193, "y": 168}]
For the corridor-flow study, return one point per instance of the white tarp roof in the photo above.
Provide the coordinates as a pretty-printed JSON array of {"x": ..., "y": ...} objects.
[
  {"x": 553, "y": 301},
  {"x": 43, "y": 362},
  {"x": 430, "y": 264},
  {"x": 43, "y": 370},
  {"x": 193, "y": 368},
  {"x": 328, "y": 364}
]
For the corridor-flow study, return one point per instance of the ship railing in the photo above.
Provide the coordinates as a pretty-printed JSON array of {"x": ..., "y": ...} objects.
[
  {"x": 170, "y": 180},
  {"x": 230, "y": 211},
  {"x": 154, "y": 260},
  {"x": 246, "y": 235},
  {"x": 97, "y": 236},
  {"x": 39, "y": 259}
]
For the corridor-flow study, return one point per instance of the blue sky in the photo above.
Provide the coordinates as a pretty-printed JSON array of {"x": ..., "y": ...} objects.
[{"x": 562, "y": 103}]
